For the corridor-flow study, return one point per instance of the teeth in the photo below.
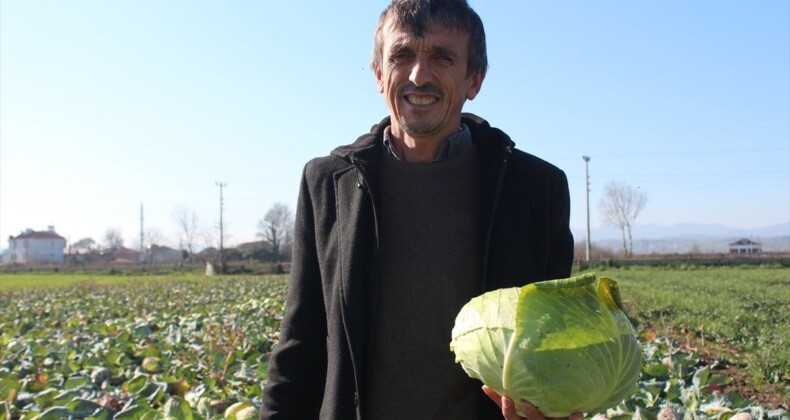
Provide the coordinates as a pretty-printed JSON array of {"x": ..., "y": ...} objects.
[{"x": 420, "y": 100}]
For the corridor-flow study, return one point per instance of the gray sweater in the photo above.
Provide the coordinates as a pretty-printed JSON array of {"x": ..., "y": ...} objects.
[{"x": 428, "y": 271}]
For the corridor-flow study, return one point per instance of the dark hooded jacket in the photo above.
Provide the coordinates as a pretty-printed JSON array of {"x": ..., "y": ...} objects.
[{"x": 317, "y": 369}]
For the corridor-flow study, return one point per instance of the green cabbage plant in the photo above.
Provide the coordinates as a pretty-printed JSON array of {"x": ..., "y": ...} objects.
[{"x": 563, "y": 345}]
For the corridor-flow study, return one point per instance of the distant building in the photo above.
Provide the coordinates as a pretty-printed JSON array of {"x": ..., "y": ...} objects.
[
  {"x": 745, "y": 246},
  {"x": 32, "y": 247},
  {"x": 163, "y": 254},
  {"x": 119, "y": 255}
]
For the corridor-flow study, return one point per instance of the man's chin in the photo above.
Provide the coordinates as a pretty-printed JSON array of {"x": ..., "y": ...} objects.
[{"x": 416, "y": 128}]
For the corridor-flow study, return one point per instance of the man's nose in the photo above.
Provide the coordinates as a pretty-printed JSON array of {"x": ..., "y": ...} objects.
[{"x": 420, "y": 72}]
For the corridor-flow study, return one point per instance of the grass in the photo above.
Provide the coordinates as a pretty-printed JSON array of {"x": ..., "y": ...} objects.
[{"x": 48, "y": 280}]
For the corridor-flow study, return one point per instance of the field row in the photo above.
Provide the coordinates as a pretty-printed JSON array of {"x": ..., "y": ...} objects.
[{"x": 198, "y": 347}]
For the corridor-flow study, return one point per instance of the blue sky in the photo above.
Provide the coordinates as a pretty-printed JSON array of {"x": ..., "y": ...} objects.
[{"x": 107, "y": 105}]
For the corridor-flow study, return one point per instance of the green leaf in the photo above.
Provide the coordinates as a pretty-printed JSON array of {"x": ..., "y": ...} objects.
[
  {"x": 656, "y": 370},
  {"x": 177, "y": 409},
  {"x": 152, "y": 364},
  {"x": 45, "y": 397},
  {"x": 54, "y": 413},
  {"x": 103, "y": 413},
  {"x": 719, "y": 380},
  {"x": 132, "y": 412},
  {"x": 700, "y": 378},
  {"x": 82, "y": 408},
  {"x": 76, "y": 382},
  {"x": 65, "y": 397},
  {"x": 136, "y": 384},
  {"x": 8, "y": 388}
]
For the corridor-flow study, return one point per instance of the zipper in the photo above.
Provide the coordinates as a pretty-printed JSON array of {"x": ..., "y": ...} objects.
[
  {"x": 507, "y": 153},
  {"x": 364, "y": 188}
]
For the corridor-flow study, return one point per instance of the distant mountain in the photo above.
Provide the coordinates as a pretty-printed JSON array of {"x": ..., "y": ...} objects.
[
  {"x": 687, "y": 230},
  {"x": 683, "y": 237}
]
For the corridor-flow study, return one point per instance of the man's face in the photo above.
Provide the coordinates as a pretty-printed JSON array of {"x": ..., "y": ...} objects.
[{"x": 424, "y": 80}]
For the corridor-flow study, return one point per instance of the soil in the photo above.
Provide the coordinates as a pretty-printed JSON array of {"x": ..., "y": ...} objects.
[{"x": 769, "y": 396}]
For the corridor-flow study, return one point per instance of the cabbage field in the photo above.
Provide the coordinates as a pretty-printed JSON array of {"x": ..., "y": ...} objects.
[{"x": 715, "y": 344}]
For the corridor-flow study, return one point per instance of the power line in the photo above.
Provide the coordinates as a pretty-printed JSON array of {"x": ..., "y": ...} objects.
[
  {"x": 693, "y": 152},
  {"x": 678, "y": 153}
]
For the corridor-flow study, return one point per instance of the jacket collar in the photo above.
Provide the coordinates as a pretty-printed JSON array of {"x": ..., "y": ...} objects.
[{"x": 365, "y": 148}]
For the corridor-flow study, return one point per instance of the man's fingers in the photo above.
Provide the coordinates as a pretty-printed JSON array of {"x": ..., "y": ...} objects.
[
  {"x": 493, "y": 395},
  {"x": 532, "y": 412},
  {"x": 509, "y": 410}
]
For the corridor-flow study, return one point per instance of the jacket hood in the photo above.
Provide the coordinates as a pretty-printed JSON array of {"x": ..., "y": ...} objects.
[{"x": 368, "y": 142}]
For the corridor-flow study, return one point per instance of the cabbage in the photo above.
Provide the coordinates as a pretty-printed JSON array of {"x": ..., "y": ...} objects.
[{"x": 563, "y": 345}]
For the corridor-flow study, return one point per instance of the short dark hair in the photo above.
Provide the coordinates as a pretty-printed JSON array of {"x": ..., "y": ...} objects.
[{"x": 452, "y": 14}]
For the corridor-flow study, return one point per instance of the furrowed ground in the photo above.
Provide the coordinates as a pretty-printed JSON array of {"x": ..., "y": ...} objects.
[{"x": 85, "y": 346}]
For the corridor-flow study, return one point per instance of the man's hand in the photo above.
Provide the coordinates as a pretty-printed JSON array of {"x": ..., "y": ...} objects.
[{"x": 509, "y": 408}]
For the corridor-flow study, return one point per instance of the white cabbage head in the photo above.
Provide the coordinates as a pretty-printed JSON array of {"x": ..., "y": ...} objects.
[{"x": 563, "y": 345}]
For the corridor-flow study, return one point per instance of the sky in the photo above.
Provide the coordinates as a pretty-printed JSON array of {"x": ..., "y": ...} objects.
[{"x": 110, "y": 107}]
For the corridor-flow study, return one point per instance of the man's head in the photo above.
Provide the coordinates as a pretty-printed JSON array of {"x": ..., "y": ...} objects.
[
  {"x": 429, "y": 57},
  {"x": 416, "y": 15}
]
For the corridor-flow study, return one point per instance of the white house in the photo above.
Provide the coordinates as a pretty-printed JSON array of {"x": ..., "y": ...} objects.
[
  {"x": 32, "y": 247},
  {"x": 745, "y": 246}
]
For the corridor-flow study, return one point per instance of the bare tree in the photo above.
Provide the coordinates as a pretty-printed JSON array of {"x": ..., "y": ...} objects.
[
  {"x": 113, "y": 238},
  {"x": 153, "y": 236},
  {"x": 620, "y": 206},
  {"x": 276, "y": 227},
  {"x": 188, "y": 226}
]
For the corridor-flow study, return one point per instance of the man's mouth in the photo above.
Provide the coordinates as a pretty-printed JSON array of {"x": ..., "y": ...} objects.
[
  {"x": 421, "y": 100},
  {"x": 425, "y": 95}
]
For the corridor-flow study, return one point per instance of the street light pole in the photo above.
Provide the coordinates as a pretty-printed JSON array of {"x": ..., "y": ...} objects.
[
  {"x": 587, "y": 194},
  {"x": 221, "y": 185}
]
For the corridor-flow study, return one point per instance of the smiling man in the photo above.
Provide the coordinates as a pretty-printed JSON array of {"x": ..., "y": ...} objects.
[
  {"x": 425, "y": 80},
  {"x": 398, "y": 230}
]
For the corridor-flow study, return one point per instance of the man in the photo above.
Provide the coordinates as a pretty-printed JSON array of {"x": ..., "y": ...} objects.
[{"x": 395, "y": 232}]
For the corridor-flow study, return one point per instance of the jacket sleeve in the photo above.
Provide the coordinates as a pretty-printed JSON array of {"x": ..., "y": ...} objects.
[
  {"x": 561, "y": 239},
  {"x": 297, "y": 368}
]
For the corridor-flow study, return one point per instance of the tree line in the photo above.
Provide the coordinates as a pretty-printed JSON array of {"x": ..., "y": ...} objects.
[
  {"x": 274, "y": 229},
  {"x": 619, "y": 206}
]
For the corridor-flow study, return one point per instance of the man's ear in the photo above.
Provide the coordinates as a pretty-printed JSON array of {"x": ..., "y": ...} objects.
[
  {"x": 379, "y": 83},
  {"x": 476, "y": 83}
]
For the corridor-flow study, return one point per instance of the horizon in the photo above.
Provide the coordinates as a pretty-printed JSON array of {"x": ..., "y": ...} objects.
[
  {"x": 109, "y": 107},
  {"x": 601, "y": 235}
]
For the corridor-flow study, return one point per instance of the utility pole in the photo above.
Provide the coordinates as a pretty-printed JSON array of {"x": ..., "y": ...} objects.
[
  {"x": 142, "y": 246},
  {"x": 221, "y": 185},
  {"x": 587, "y": 193}
]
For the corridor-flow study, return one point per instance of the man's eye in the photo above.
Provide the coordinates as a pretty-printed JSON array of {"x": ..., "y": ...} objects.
[
  {"x": 400, "y": 57},
  {"x": 443, "y": 59}
]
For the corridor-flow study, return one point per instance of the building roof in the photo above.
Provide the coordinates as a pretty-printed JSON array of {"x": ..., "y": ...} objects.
[
  {"x": 744, "y": 241},
  {"x": 31, "y": 234}
]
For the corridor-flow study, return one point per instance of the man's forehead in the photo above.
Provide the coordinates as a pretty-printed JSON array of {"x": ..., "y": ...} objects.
[{"x": 395, "y": 34}]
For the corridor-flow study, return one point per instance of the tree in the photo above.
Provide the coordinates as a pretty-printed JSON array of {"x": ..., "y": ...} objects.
[
  {"x": 113, "y": 238},
  {"x": 620, "y": 206},
  {"x": 188, "y": 226},
  {"x": 85, "y": 243},
  {"x": 276, "y": 227},
  {"x": 153, "y": 236}
]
